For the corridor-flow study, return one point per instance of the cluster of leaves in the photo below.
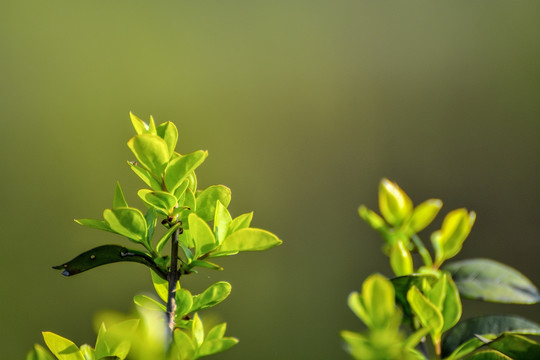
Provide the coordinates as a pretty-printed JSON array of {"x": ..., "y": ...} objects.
[
  {"x": 198, "y": 227},
  {"x": 427, "y": 299}
]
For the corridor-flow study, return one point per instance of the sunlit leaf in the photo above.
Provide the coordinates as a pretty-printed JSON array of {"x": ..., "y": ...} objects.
[
  {"x": 145, "y": 176},
  {"x": 119, "y": 199},
  {"x": 240, "y": 222},
  {"x": 61, "y": 347},
  {"x": 208, "y": 198},
  {"x": 39, "y": 353},
  {"x": 427, "y": 313},
  {"x": 202, "y": 236},
  {"x": 168, "y": 132},
  {"x": 151, "y": 152},
  {"x": 249, "y": 239},
  {"x": 180, "y": 167},
  {"x": 210, "y": 347},
  {"x": 161, "y": 200},
  {"x": 95, "y": 224},
  {"x": 197, "y": 330},
  {"x": 184, "y": 302},
  {"x": 212, "y": 296},
  {"x": 129, "y": 222},
  {"x": 423, "y": 214},
  {"x": 148, "y": 303},
  {"x": 184, "y": 345},
  {"x": 394, "y": 204},
  {"x": 165, "y": 238}
]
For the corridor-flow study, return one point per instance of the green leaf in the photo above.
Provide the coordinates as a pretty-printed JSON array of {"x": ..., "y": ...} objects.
[
  {"x": 491, "y": 324},
  {"x": 89, "y": 353},
  {"x": 452, "y": 308},
  {"x": 373, "y": 219},
  {"x": 184, "y": 302},
  {"x": 427, "y": 313},
  {"x": 161, "y": 243},
  {"x": 212, "y": 296},
  {"x": 39, "y": 353},
  {"x": 184, "y": 345},
  {"x": 128, "y": 222},
  {"x": 217, "y": 332},
  {"x": 448, "y": 241},
  {"x": 210, "y": 347},
  {"x": 402, "y": 285},
  {"x": 394, "y": 204},
  {"x": 161, "y": 285},
  {"x": 106, "y": 254},
  {"x": 61, "y": 347},
  {"x": 424, "y": 214},
  {"x": 202, "y": 236},
  {"x": 489, "y": 280},
  {"x": 400, "y": 259},
  {"x": 161, "y": 200},
  {"x": 205, "y": 264},
  {"x": 151, "y": 219},
  {"x": 489, "y": 355},
  {"x": 249, "y": 239},
  {"x": 147, "y": 302},
  {"x": 168, "y": 132},
  {"x": 516, "y": 347},
  {"x": 240, "y": 222},
  {"x": 179, "y": 192},
  {"x": 197, "y": 330},
  {"x": 140, "y": 126},
  {"x": 151, "y": 152},
  {"x": 95, "y": 224},
  {"x": 207, "y": 199},
  {"x": 115, "y": 341},
  {"x": 119, "y": 199},
  {"x": 222, "y": 219},
  {"x": 145, "y": 176},
  {"x": 468, "y": 347},
  {"x": 180, "y": 167}
]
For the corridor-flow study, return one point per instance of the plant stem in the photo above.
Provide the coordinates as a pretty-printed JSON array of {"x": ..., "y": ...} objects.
[
  {"x": 424, "y": 253},
  {"x": 173, "y": 279}
]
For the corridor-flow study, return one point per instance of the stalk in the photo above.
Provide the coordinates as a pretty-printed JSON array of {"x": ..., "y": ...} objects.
[{"x": 173, "y": 278}]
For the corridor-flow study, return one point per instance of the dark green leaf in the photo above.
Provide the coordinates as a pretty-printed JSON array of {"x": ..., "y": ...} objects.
[
  {"x": 107, "y": 254},
  {"x": 489, "y": 280},
  {"x": 492, "y": 324},
  {"x": 516, "y": 346},
  {"x": 489, "y": 355}
]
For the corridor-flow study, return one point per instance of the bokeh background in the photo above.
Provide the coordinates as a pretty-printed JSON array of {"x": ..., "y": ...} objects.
[{"x": 304, "y": 105}]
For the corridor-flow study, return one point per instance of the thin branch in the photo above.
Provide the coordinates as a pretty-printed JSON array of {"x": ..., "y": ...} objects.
[{"x": 173, "y": 279}]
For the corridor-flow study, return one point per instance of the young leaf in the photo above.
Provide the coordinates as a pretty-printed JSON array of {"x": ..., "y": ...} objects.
[
  {"x": 212, "y": 296},
  {"x": 140, "y": 126},
  {"x": 240, "y": 222},
  {"x": 427, "y": 313},
  {"x": 128, "y": 222},
  {"x": 151, "y": 219},
  {"x": 373, "y": 219},
  {"x": 184, "y": 302},
  {"x": 161, "y": 243},
  {"x": 222, "y": 219},
  {"x": 489, "y": 280},
  {"x": 394, "y": 204},
  {"x": 210, "y": 347},
  {"x": 207, "y": 199},
  {"x": 151, "y": 152},
  {"x": 115, "y": 341},
  {"x": 95, "y": 224},
  {"x": 88, "y": 352},
  {"x": 202, "y": 236},
  {"x": 403, "y": 284},
  {"x": 168, "y": 132},
  {"x": 61, "y": 347},
  {"x": 180, "y": 167},
  {"x": 106, "y": 254},
  {"x": 148, "y": 303},
  {"x": 39, "y": 353},
  {"x": 448, "y": 241},
  {"x": 491, "y": 324},
  {"x": 424, "y": 214},
  {"x": 197, "y": 330},
  {"x": 400, "y": 259},
  {"x": 145, "y": 176},
  {"x": 119, "y": 199},
  {"x": 161, "y": 200},
  {"x": 217, "y": 332},
  {"x": 161, "y": 285},
  {"x": 452, "y": 308},
  {"x": 205, "y": 264},
  {"x": 248, "y": 239},
  {"x": 184, "y": 345}
]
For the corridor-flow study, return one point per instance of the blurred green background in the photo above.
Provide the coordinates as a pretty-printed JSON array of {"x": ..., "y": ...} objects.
[{"x": 304, "y": 105}]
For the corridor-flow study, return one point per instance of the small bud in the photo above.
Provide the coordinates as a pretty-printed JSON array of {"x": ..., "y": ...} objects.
[
  {"x": 401, "y": 260},
  {"x": 394, "y": 204},
  {"x": 456, "y": 226},
  {"x": 372, "y": 218},
  {"x": 424, "y": 214}
]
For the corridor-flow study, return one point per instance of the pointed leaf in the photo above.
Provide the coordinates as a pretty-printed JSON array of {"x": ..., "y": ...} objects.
[
  {"x": 119, "y": 199},
  {"x": 468, "y": 347},
  {"x": 88, "y": 352},
  {"x": 423, "y": 215},
  {"x": 151, "y": 219},
  {"x": 212, "y": 296},
  {"x": 489, "y": 280},
  {"x": 180, "y": 167},
  {"x": 140, "y": 126},
  {"x": 222, "y": 219},
  {"x": 161, "y": 200},
  {"x": 205, "y": 264},
  {"x": 491, "y": 324},
  {"x": 394, "y": 204},
  {"x": 151, "y": 152},
  {"x": 95, "y": 224},
  {"x": 427, "y": 313},
  {"x": 184, "y": 345},
  {"x": 115, "y": 342},
  {"x": 210, "y": 347},
  {"x": 128, "y": 222},
  {"x": 207, "y": 199},
  {"x": 197, "y": 330},
  {"x": 217, "y": 332},
  {"x": 516, "y": 347},
  {"x": 452, "y": 308},
  {"x": 148, "y": 303},
  {"x": 145, "y": 176},
  {"x": 249, "y": 239},
  {"x": 202, "y": 236},
  {"x": 489, "y": 355},
  {"x": 39, "y": 353},
  {"x": 161, "y": 243},
  {"x": 241, "y": 222},
  {"x": 402, "y": 285},
  {"x": 61, "y": 347},
  {"x": 184, "y": 302},
  {"x": 106, "y": 254},
  {"x": 168, "y": 132}
]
